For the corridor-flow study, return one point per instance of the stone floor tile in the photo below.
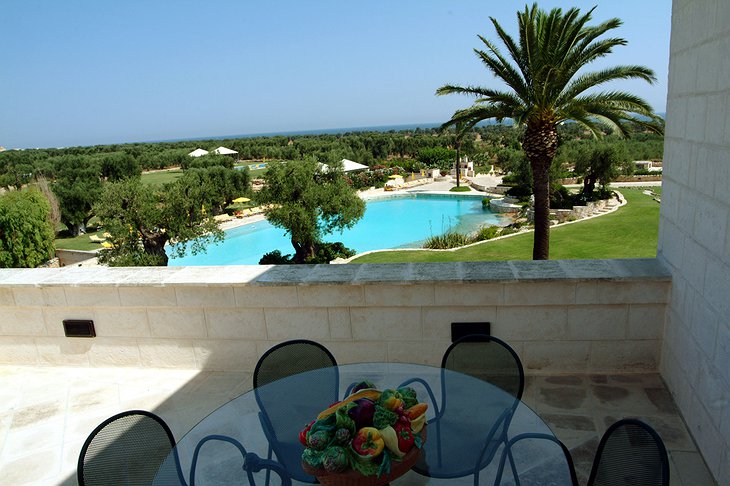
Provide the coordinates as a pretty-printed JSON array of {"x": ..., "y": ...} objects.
[
  {"x": 622, "y": 398},
  {"x": 691, "y": 469},
  {"x": 560, "y": 399},
  {"x": 22, "y": 441},
  {"x": 35, "y": 467}
]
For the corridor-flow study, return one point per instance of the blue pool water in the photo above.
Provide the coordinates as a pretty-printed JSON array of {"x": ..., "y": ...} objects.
[{"x": 404, "y": 221}]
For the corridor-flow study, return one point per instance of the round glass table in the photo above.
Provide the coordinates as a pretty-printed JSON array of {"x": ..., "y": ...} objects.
[{"x": 469, "y": 423}]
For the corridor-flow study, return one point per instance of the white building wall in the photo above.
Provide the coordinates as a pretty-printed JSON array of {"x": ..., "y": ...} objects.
[{"x": 694, "y": 234}]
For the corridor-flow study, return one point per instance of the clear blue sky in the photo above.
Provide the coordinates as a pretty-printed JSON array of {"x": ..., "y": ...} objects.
[{"x": 83, "y": 72}]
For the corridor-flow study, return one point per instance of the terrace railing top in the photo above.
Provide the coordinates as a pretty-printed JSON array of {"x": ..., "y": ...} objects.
[{"x": 354, "y": 274}]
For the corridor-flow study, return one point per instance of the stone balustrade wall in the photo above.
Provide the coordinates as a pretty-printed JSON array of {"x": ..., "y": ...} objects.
[{"x": 560, "y": 316}]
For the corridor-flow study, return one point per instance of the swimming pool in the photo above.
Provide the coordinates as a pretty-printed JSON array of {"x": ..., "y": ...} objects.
[{"x": 402, "y": 221}]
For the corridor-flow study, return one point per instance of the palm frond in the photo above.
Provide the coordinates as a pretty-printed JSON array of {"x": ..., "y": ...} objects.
[{"x": 591, "y": 80}]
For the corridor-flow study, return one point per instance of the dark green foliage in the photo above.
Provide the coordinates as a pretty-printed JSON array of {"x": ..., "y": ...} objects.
[
  {"x": 26, "y": 231},
  {"x": 215, "y": 187},
  {"x": 206, "y": 161},
  {"x": 78, "y": 186},
  {"x": 324, "y": 253},
  {"x": 308, "y": 203},
  {"x": 437, "y": 157},
  {"x": 117, "y": 166},
  {"x": 460, "y": 189}
]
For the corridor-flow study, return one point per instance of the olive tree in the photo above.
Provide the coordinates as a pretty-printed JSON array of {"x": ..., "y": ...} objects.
[{"x": 26, "y": 231}]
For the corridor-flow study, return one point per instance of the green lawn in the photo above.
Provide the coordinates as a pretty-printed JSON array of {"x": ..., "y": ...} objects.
[
  {"x": 161, "y": 177},
  {"x": 630, "y": 232},
  {"x": 81, "y": 242}
]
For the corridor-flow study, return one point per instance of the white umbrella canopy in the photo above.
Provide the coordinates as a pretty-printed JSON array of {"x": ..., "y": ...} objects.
[
  {"x": 199, "y": 152},
  {"x": 347, "y": 166},
  {"x": 224, "y": 151}
]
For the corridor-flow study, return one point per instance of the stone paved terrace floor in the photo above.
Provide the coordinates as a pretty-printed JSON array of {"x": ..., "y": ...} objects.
[{"x": 46, "y": 413}]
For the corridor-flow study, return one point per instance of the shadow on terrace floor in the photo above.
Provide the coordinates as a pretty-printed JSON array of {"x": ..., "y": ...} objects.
[{"x": 47, "y": 413}]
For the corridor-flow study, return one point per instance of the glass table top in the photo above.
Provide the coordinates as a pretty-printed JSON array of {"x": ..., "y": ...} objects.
[{"x": 474, "y": 417}]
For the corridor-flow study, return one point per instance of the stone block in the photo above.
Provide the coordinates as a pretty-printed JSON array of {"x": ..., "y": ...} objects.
[
  {"x": 597, "y": 322},
  {"x": 107, "y": 296},
  {"x": 539, "y": 293},
  {"x": 626, "y": 356},
  {"x": 147, "y": 296},
  {"x": 6, "y": 297},
  {"x": 37, "y": 296},
  {"x": 556, "y": 356},
  {"x": 205, "y": 296},
  {"x": 63, "y": 351},
  {"x": 359, "y": 352},
  {"x": 325, "y": 274},
  {"x": 532, "y": 323},
  {"x": 696, "y": 116},
  {"x": 703, "y": 324},
  {"x": 437, "y": 320},
  {"x": 239, "y": 323},
  {"x": 426, "y": 353},
  {"x": 716, "y": 288},
  {"x": 384, "y": 272},
  {"x": 721, "y": 359},
  {"x": 166, "y": 322},
  {"x": 331, "y": 295},
  {"x": 469, "y": 294},
  {"x": 646, "y": 321},
  {"x": 305, "y": 323},
  {"x": 22, "y": 321},
  {"x": 399, "y": 295},
  {"x": 167, "y": 353},
  {"x": 715, "y": 129},
  {"x": 647, "y": 292},
  {"x": 114, "y": 352},
  {"x": 386, "y": 323},
  {"x": 127, "y": 322},
  {"x": 232, "y": 355},
  {"x": 273, "y": 296},
  {"x": 340, "y": 326},
  {"x": 18, "y": 351}
]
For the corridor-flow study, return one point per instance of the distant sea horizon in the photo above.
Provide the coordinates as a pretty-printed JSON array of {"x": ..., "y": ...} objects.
[
  {"x": 317, "y": 131},
  {"x": 331, "y": 131}
]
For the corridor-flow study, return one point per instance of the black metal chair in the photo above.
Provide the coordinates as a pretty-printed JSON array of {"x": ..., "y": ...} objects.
[
  {"x": 281, "y": 421},
  {"x": 127, "y": 448},
  {"x": 486, "y": 358},
  {"x": 539, "y": 471},
  {"x": 630, "y": 452}
]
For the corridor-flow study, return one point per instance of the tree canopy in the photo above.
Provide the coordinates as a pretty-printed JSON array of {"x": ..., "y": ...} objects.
[
  {"x": 26, "y": 231},
  {"x": 308, "y": 202},
  {"x": 143, "y": 219}
]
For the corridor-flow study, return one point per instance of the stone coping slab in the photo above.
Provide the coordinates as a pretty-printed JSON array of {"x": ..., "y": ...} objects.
[{"x": 355, "y": 274}]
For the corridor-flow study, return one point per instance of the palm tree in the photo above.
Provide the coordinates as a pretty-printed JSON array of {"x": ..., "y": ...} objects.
[{"x": 547, "y": 87}]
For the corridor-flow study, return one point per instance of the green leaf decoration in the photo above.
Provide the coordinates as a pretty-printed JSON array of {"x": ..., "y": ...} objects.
[
  {"x": 313, "y": 458},
  {"x": 384, "y": 468},
  {"x": 417, "y": 440},
  {"x": 364, "y": 468},
  {"x": 383, "y": 417},
  {"x": 343, "y": 421},
  {"x": 408, "y": 395}
]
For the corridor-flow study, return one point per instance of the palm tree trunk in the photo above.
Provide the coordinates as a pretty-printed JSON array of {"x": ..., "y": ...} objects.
[
  {"x": 457, "y": 163},
  {"x": 541, "y": 190},
  {"x": 540, "y": 144}
]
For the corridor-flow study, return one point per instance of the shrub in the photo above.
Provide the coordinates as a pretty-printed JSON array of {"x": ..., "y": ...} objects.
[
  {"x": 487, "y": 233},
  {"x": 451, "y": 239},
  {"x": 460, "y": 189},
  {"x": 486, "y": 204}
]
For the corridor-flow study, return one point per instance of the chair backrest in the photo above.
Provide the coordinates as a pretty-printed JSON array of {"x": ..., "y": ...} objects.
[
  {"x": 290, "y": 358},
  {"x": 311, "y": 392},
  {"x": 487, "y": 358},
  {"x": 630, "y": 452},
  {"x": 542, "y": 466},
  {"x": 125, "y": 449}
]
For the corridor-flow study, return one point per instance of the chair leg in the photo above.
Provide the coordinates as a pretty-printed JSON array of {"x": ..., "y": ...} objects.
[{"x": 268, "y": 471}]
